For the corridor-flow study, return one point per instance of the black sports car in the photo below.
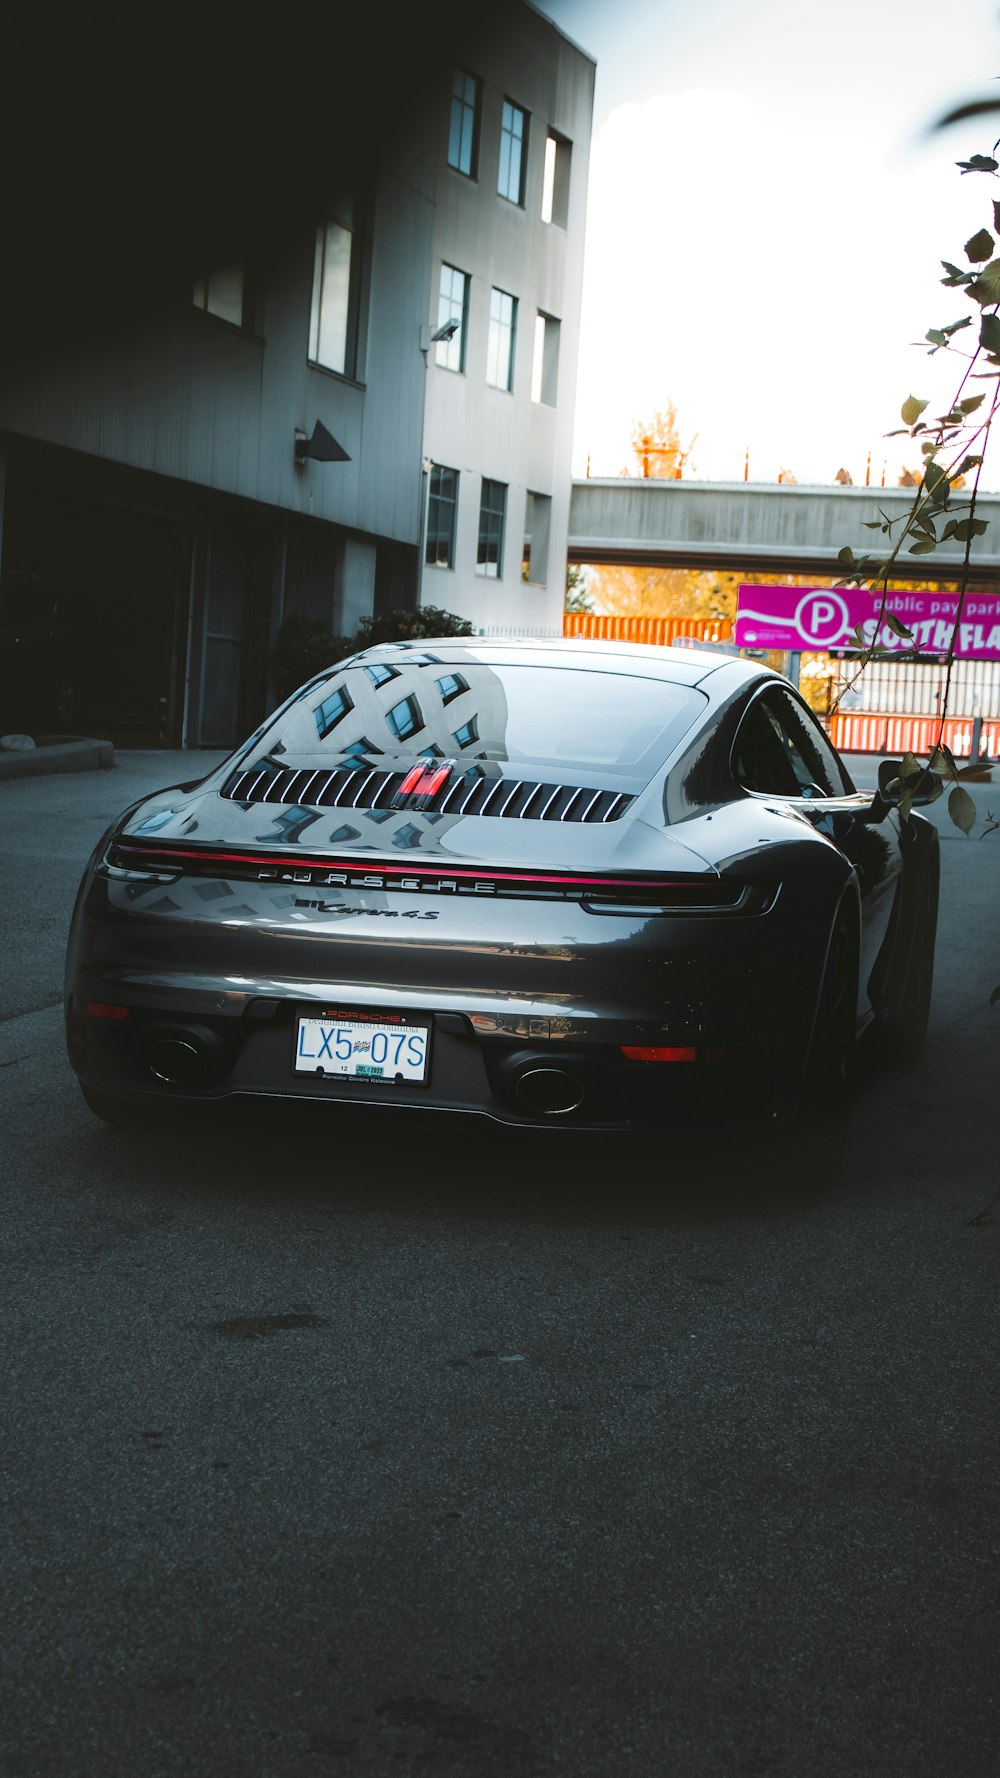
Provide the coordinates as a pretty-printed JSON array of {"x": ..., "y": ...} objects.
[{"x": 610, "y": 887}]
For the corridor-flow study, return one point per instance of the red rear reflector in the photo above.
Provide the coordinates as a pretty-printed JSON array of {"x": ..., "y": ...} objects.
[
  {"x": 100, "y": 1009},
  {"x": 640, "y": 1053}
]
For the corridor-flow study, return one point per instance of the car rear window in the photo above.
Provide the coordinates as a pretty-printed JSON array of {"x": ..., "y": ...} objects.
[{"x": 436, "y": 706}]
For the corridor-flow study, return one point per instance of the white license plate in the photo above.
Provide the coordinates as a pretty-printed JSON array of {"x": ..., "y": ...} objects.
[{"x": 362, "y": 1049}]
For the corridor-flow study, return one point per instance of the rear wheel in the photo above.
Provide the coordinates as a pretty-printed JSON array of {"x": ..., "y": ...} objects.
[
  {"x": 905, "y": 1027},
  {"x": 812, "y": 1150}
]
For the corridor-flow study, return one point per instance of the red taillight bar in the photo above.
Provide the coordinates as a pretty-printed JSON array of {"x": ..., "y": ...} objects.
[
  {"x": 102, "y": 1009},
  {"x": 264, "y": 860},
  {"x": 668, "y": 1053}
]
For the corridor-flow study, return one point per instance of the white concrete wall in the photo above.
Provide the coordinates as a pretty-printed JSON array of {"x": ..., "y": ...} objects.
[{"x": 471, "y": 426}]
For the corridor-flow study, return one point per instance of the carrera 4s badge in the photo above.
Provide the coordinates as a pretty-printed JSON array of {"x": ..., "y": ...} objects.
[{"x": 341, "y": 907}]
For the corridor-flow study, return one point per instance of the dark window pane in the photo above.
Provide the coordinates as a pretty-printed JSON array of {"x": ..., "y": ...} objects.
[
  {"x": 510, "y": 176},
  {"x": 404, "y": 718},
  {"x": 332, "y": 710},
  {"x": 489, "y": 550},
  {"x": 441, "y": 506},
  {"x": 463, "y": 129},
  {"x": 468, "y": 733}
]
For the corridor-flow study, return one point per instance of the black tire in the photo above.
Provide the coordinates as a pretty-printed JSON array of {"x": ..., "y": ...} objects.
[
  {"x": 810, "y": 1154},
  {"x": 904, "y": 1033}
]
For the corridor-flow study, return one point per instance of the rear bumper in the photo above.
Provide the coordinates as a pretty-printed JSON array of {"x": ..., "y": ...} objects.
[{"x": 518, "y": 1078}]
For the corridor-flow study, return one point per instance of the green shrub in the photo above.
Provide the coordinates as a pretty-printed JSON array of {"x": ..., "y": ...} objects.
[
  {"x": 306, "y": 646},
  {"x": 411, "y": 626}
]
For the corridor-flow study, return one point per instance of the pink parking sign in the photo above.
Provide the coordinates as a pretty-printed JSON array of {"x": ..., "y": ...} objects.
[{"x": 818, "y": 618}]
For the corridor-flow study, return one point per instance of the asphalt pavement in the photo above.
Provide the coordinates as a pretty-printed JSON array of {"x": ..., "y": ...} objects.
[{"x": 326, "y": 1452}]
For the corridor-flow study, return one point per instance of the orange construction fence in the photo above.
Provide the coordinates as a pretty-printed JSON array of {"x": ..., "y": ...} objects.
[
  {"x": 660, "y": 630},
  {"x": 854, "y": 731}
]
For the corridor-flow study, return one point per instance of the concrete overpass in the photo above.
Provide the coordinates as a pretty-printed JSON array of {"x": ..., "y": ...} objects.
[{"x": 779, "y": 528}]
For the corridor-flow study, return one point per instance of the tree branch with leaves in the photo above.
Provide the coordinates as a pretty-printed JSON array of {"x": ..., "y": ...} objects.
[{"x": 953, "y": 449}]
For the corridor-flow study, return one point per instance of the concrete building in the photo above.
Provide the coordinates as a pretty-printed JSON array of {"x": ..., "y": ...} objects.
[
  {"x": 236, "y": 423},
  {"x": 509, "y": 214}
]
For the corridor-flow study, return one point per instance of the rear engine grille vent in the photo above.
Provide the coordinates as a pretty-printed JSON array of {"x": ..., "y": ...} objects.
[{"x": 364, "y": 787}]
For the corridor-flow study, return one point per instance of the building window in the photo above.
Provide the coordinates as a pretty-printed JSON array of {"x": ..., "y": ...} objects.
[
  {"x": 451, "y": 686},
  {"x": 502, "y": 339},
  {"x": 555, "y": 180},
  {"x": 360, "y": 749},
  {"x": 453, "y": 305},
  {"x": 468, "y": 734},
  {"x": 343, "y": 833},
  {"x": 545, "y": 363},
  {"x": 442, "y": 504},
  {"x": 381, "y": 675},
  {"x": 405, "y": 718},
  {"x": 335, "y": 321},
  {"x": 331, "y": 711},
  {"x": 223, "y": 293},
  {"x": 535, "y": 554},
  {"x": 431, "y": 752},
  {"x": 463, "y": 134},
  {"x": 406, "y": 836},
  {"x": 492, "y": 508},
  {"x": 513, "y": 152}
]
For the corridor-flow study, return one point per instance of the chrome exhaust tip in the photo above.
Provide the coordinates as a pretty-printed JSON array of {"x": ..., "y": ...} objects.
[
  {"x": 548, "y": 1092},
  {"x": 174, "y": 1060}
]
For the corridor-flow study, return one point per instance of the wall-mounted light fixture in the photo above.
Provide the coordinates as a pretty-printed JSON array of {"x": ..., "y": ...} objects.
[
  {"x": 439, "y": 335},
  {"x": 322, "y": 447}
]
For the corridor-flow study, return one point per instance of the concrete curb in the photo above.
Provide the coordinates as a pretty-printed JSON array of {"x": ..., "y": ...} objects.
[{"x": 58, "y": 753}]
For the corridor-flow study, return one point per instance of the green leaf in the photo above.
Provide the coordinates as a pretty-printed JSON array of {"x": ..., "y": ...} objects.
[
  {"x": 980, "y": 246},
  {"x": 858, "y": 636},
  {"x": 985, "y": 289},
  {"x": 938, "y": 763},
  {"x": 971, "y": 402},
  {"x": 996, "y": 215},
  {"x": 911, "y": 410},
  {"x": 967, "y": 528},
  {"x": 936, "y": 482},
  {"x": 922, "y": 549},
  {"x": 980, "y": 163},
  {"x": 955, "y": 274},
  {"x": 956, "y": 326},
  {"x": 846, "y": 555},
  {"x": 962, "y": 809},
  {"x": 898, "y": 628},
  {"x": 910, "y": 768},
  {"x": 989, "y": 333}
]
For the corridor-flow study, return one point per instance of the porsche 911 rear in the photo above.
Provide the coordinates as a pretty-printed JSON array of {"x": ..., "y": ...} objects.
[{"x": 508, "y": 939}]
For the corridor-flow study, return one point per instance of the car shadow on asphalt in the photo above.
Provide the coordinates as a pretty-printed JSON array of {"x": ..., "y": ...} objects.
[{"x": 302, "y": 1161}]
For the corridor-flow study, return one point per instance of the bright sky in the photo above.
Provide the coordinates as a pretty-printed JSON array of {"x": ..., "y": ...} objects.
[{"x": 768, "y": 208}]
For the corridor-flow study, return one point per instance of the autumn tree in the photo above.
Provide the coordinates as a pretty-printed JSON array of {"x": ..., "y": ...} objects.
[{"x": 656, "y": 446}]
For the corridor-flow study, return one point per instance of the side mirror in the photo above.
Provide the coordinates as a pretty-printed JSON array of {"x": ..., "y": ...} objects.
[{"x": 922, "y": 787}]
